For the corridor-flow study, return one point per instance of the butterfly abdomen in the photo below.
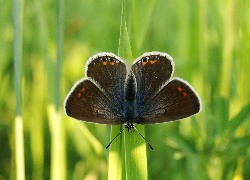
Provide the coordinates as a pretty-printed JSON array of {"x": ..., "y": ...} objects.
[
  {"x": 130, "y": 94},
  {"x": 130, "y": 87}
]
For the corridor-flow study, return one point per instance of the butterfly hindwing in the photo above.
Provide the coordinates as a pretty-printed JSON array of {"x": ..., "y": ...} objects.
[
  {"x": 87, "y": 102},
  {"x": 176, "y": 100}
]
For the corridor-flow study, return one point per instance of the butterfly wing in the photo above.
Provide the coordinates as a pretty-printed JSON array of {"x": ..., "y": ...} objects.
[
  {"x": 151, "y": 71},
  {"x": 99, "y": 97},
  {"x": 109, "y": 71},
  {"x": 87, "y": 102},
  {"x": 159, "y": 98},
  {"x": 176, "y": 100}
]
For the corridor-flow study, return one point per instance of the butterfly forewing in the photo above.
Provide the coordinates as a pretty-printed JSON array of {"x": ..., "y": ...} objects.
[
  {"x": 176, "y": 100},
  {"x": 109, "y": 71},
  {"x": 151, "y": 71},
  {"x": 87, "y": 102}
]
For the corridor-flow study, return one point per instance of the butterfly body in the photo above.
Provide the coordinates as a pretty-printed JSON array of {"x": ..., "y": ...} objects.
[
  {"x": 145, "y": 94},
  {"x": 130, "y": 100}
]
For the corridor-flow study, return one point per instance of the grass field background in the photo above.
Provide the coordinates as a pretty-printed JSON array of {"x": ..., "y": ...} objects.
[{"x": 44, "y": 46}]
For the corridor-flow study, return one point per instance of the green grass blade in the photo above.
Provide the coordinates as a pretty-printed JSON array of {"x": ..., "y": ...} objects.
[
  {"x": 127, "y": 158},
  {"x": 235, "y": 148},
  {"x": 222, "y": 115},
  {"x": 135, "y": 149},
  {"x": 135, "y": 154},
  {"x": 242, "y": 116},
  {"x": 116, "y": 155},
  {"x": 37, "y": 123},
  {"x": 58, "y": 151},
  {"x": 124, "y": 49},
  {"x": 227, "y": 50},
  {"x": 95, "y": 143},
  {"x": 181, "y": 143},
  {"x": 18, "y": 50},
  {"x": 140, "y": 20}
]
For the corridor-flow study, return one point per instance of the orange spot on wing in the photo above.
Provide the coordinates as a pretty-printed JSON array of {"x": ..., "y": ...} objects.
[
  {"x": 144, "y": 63},
  {"x": 152, "y": 61},
  {"x": 112, "y": 63},
  {"x": 81, "y": 91},
  {"x": 104, "y": 63},
  {"x": 179, "y": 89},
  {"x": 184, "y": 94}
]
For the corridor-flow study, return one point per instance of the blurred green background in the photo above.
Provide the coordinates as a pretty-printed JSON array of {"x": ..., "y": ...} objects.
[{"x": 210, "y": 44}]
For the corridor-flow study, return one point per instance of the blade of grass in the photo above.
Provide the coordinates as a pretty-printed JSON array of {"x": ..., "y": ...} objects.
[
  {"x": 127, "y": 159},
  {"x": 58, "y": 170},
  {"x": 116, "y": 160},
  {"x": 58, "y": 159},
  {"x": 124, "y": 49},
  {"x": 243, "y": 115},
  {"x": 141, "y": 12},
  {"x": 96, "y": 145},
  {"x": 235, "y": 148},
  {"x": 18, "y": 41},
  {"x": 227, "y": 49},
  {"x": 115, "y": 155},
  {"x": 36, "y": 128},
  {"x": 135, "y": 155},
  {"x": 179, "y": 142},
  {"x": 36, "y": 123},
  {"x": 222, "y": 115}
]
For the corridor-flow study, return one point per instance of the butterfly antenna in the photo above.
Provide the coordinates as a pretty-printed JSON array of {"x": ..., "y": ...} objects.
[
  {"x": 114, "y": 139},
  {"x": 151, "y": 147}
]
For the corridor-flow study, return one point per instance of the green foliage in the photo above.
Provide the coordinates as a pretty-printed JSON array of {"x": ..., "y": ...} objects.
[{"x": 209, "y": 41}]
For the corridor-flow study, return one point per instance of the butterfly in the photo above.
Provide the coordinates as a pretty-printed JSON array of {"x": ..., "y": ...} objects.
[{"x": 146, "y": 93}]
